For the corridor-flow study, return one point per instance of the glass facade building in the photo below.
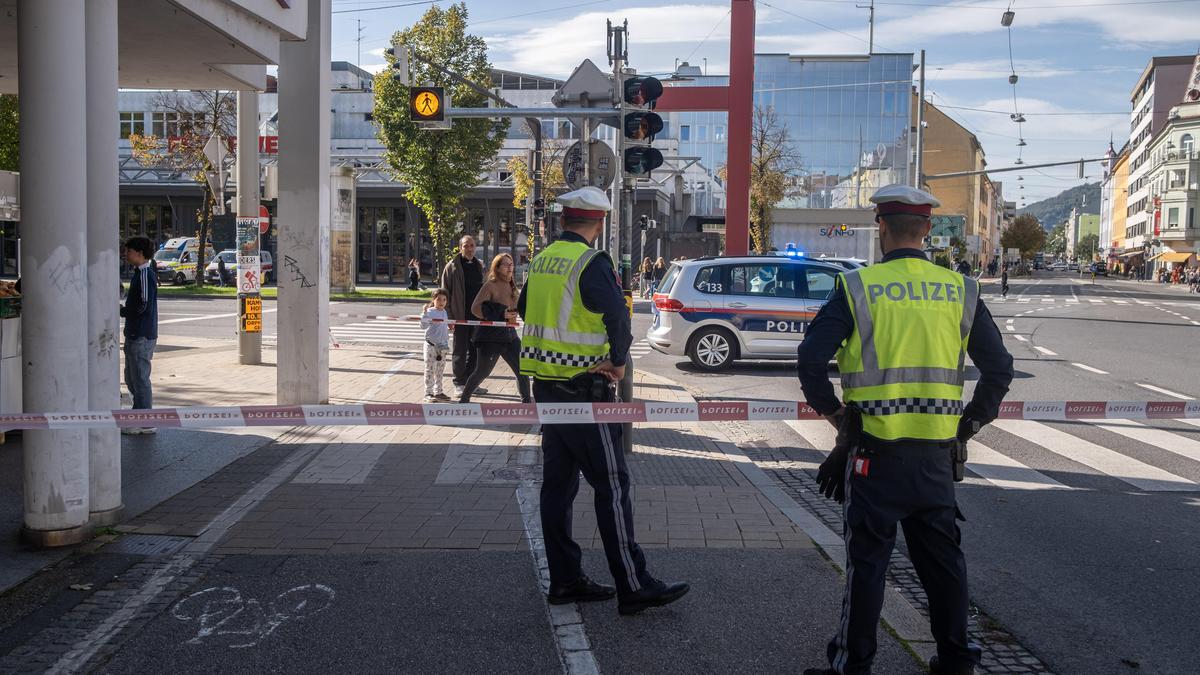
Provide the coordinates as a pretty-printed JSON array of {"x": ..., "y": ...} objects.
[{"x": 847, "y": 119}]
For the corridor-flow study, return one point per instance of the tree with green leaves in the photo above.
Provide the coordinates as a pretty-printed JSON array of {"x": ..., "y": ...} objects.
[
  {"x": 1056, "y": 244},
  {"x": 1086, "y": 247},
  {"x": 1026, "y": 234},
  {"x": 10, "y": 137},
  {"x": 191, "y": 118},
  {"x": 439, "y": 166}
]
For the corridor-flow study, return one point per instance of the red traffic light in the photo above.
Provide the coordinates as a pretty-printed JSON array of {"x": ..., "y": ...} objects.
[{"x": 642, "y": 90}]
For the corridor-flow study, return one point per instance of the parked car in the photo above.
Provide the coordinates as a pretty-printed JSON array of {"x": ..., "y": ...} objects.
[
  {"x": 1058, "y": 266},
  {"x": 1098, "y": 268},
  {"x": 717, "y": 310},
  {"x": 1073, "y": 267},
  {"x": 848, "y": 263},
  {"x": 230, "y": 257},
  {"x": 175, "y": 261}
]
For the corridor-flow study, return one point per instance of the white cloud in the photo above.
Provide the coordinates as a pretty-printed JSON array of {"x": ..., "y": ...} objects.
[{"x": 555, "y": 49}]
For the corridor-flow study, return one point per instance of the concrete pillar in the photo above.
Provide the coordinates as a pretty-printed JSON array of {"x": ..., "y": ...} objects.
[
  {"x": 53, "y": 255},
  {"x": 249, "y": 344},
  {"x": 303, "y": 262},
  {"x": 103, "y": 232}
]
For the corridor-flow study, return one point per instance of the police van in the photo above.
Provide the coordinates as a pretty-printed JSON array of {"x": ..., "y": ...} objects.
[{"x": 717, "y": 310}]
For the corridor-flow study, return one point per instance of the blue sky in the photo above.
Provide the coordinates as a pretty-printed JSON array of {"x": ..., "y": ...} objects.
[{"x": 1075, "y": 58}]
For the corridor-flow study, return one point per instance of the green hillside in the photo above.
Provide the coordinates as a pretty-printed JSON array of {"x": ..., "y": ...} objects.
[{"x": 1052, "y": 211}]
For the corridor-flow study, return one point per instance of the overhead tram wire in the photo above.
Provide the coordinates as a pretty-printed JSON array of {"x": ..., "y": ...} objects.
[
  {"x": 992, "y": 8},
  {"x": 720, "y": 21},
  {"x": 375, "y": 9},
  {"x": 825, "y": 26}
]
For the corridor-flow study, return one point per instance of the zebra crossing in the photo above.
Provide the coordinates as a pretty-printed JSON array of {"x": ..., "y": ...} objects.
[
  {"x": 1058, "y": 457},
  {"x": 391, "y": 332},
  {"x": 1055, "y": 299}
]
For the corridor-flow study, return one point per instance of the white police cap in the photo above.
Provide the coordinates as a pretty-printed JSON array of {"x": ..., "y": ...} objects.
[
  {"x": 587, "y": 202},
  {"x": 903, "y": 199}
]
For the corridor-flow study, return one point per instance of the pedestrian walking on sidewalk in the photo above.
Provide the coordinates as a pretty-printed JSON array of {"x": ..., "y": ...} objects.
[
  {"x": 222, "y": 272},
  {"x": 437, "y": 345},
  {"x": 414, "y": 275},
  {"x": 1004, "y": 282},
  {"x": 902, "y": 429},
  {"x": 496, "y": 301},
  {"x": 462, "y": 278},
  {"x": 656, "y": 276},
  {"x": 576, "y": 343},
  {"x": 141, "y": 325},
  {"x": 645, "y": 277}
]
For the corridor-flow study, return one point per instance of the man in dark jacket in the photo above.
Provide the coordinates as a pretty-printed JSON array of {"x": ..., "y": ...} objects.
[
  {"x": 141, "y": 324},
  {"x": 462, "y": 278}
]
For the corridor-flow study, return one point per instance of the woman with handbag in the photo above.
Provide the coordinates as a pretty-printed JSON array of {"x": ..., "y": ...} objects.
[{"x": 497, "y": 301}]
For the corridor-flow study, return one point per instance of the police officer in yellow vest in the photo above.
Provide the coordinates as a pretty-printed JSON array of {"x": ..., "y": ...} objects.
[
  {"x": 901, "y": 330},
  {"x": 574, "y": 345}
]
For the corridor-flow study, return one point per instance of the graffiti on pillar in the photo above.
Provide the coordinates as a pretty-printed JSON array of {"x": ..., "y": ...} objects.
[{"x": 293, "y": 268}]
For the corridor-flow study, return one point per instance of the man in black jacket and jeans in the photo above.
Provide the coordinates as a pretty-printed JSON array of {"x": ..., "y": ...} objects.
[{"x": 141, "y": 325}]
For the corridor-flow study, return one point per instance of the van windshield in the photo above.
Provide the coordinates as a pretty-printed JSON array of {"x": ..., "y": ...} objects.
[{"x": 167, "y": 256}]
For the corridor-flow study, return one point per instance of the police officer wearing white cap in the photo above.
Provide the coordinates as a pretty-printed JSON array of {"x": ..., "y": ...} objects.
[
  {"x": 901, "y": 330},
  {"x": 574, "y": 345}
]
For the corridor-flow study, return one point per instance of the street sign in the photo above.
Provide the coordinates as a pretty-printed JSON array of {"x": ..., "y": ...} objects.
[
  {"x": 427, "y": 104},
  {"x": 264, "y": 220},
  {"x": 602, "y": 165},
  {"x": 939, "y": 241},
  {"x": 251, "y": 314}
]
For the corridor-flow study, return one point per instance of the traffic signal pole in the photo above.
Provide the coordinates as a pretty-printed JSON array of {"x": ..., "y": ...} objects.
[{"x": 620, "y": 240}]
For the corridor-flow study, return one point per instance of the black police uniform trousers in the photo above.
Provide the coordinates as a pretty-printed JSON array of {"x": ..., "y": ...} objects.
[
  {"x": 595, "y": 450},
  {"x": 915, "y": 488}
]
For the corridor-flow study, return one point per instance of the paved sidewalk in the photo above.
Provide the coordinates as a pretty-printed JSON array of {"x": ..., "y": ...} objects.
[{"x": 412, "y": 549}]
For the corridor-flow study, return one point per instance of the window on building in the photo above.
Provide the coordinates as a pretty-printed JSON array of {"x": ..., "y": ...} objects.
[
  {"x": 685, "y": 132},
  {"x": 1173, "y": 218},
  {"x": 368, "y": 117},
  {"x": 702, "y": 133},
  {"x": 1178, "y": 179},
  {"x": 132, "y": 123},
  {"x": 719, "y": 133},
  {"x": 505, "y": 175},
  {"x": 1187, "y": 145}
]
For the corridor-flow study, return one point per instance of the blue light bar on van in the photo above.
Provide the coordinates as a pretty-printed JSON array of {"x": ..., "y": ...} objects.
[{"x": 792, "y": 252}]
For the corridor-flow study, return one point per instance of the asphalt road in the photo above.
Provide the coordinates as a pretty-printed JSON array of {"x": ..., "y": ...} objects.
[
  {"x": 1081, "y": 537},
  {"x": 1097, "y": 573}
]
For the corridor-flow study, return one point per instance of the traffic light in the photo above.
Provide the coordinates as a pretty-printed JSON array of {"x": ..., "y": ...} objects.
[
  {"x": 640, "y": 124},
  {"x": 427, "y": 104}
]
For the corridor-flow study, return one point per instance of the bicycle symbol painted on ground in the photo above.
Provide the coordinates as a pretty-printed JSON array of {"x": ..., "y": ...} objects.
[{"x": 222, "y": 611}]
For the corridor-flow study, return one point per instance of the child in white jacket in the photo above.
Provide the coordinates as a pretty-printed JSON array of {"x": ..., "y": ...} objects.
[{"x": 437, "y": 345}]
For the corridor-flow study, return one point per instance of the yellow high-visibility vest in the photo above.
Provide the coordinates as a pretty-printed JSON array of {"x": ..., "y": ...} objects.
[
  {"x": 903, "y": 364},
  {"x": 561, "y": 338}
]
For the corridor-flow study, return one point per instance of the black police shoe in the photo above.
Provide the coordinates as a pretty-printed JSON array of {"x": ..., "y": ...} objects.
[
  {"x": 582, "y": 589},
  {"x": 654, "y": 594},
  {"x": 820, "y": 671}
]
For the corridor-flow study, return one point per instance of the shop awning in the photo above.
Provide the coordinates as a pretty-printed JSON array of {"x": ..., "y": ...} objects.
[
  {"x": 1130, "y": 254},
  {"x": 1172, "y": 257}
]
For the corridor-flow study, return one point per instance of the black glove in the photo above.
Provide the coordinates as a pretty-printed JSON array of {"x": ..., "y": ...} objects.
[
  {"x": 967, "y": 428},
  {"x": 831, "y": 477}
]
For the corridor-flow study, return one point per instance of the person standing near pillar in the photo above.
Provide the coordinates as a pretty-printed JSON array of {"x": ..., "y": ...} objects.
[
  {"x": 575, "y": 345},
  {"x": 141, "y": 325},
  {"x": 463, "y": 279}
]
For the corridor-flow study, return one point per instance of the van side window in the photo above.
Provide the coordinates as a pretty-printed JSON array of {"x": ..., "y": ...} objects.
[
  {"x": 820, "y": 282},
  {"x": 711, "y": 280}
]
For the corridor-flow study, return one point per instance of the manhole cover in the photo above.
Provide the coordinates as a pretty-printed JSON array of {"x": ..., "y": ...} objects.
[
  {"x": 147, "y": 544},
  {"x": 517, "y": 473}
]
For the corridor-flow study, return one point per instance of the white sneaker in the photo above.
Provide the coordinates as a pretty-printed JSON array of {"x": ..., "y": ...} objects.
[
  {"x": 458, "y": 391},
  {"x": 431, "y": 399}
]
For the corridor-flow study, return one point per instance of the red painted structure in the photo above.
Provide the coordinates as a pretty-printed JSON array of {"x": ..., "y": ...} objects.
[{"x": 738, "y": 100}]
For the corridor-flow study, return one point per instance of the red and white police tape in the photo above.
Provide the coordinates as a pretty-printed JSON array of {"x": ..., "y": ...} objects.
[
  {"x": 478, "y": 414},
  {"x": 414, "y": 317}
]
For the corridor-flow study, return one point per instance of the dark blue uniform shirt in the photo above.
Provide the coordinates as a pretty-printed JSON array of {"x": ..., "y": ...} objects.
[
  {"x": 834, "y": 324},
  {"x": 601, "y": 293}
]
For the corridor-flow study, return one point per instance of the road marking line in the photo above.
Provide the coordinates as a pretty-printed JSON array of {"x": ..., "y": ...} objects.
[
  {"x": 1185, "y": 318},
  {"x": 213, "y": 316},
  {"x": 1022, "y": 338},
  {"x": 1120, "y": 302},
  {"x": 1195, "y": 323},
  {"x": 1005, "y": 472},
  {"x": 1024, "y": 299},
  {"x": 1159, "y": 438},
  {"x": 1160, "y": 390},
  {"x": 1045, "y": 351},
  {"x": 1047, "y": 299},
  {"x": 1074, "y": 300},
  {"x": 1009, "y": 326},
  {"x": 1109, "y": 462},
  {"x": 1089, "y": 368},
  {"x": 1095, "y": 301}
]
